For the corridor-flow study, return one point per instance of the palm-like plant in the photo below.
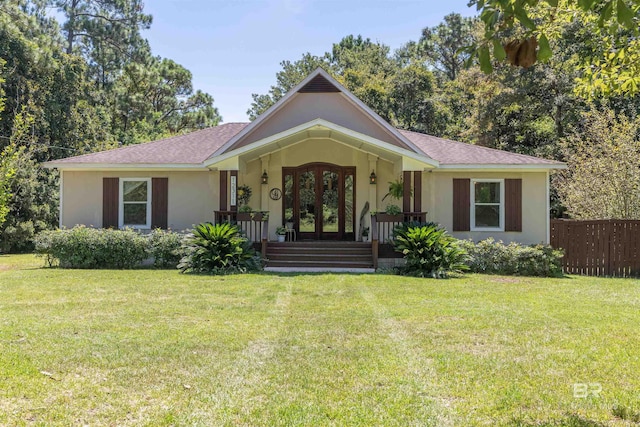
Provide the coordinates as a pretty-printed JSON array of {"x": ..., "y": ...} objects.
[
  {"x": 218, "y": 249},
  {"x": 429, "y": 252}
]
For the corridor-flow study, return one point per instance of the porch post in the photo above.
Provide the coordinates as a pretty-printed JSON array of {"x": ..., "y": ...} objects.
[
  {"x": 264, "y": 190},
  {"x": 406, "y": 196},
  {"x": 417, "y": 191}
]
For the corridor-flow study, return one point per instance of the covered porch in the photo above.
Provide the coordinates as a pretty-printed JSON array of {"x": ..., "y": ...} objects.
[{"x": 321, "y": 181}]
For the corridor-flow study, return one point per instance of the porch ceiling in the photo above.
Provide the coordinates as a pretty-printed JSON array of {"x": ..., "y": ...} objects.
[{"x": 322, "y": 130}]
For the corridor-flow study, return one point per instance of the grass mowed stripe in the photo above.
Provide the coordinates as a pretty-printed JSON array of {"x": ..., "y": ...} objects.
[
  {"x": 419, "y": 370},
  {"x": 237, "y": 396},
  {"x": 333, "y": 365},
  {"x": 158, "y": 348}
]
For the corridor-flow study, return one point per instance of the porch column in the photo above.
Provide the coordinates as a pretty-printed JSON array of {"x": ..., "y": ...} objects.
[
  {"x": 417, "y": 191},
  {"x": 406, "y": 194},
  {"x": 264, "y": 189},
  {"x": 373, "y": 189}
]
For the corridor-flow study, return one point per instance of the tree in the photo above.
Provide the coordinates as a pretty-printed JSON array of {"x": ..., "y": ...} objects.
[
  {"x": 105, "y": 32},
  {"x": 51, "y": 87},
  {"x": 412, "y": 105},
  {"x": 442, "y": 45},
  {"x": 6, "y": 171},
  {"x": 156, "y": 99},
  {"x": 34, "y": 190},
  {"x": 523, "y": 32},
  {"x": 603, "y": 178}
]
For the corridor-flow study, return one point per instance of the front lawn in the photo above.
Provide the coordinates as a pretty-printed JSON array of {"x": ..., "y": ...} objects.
[{"x": 147, "y": 347}]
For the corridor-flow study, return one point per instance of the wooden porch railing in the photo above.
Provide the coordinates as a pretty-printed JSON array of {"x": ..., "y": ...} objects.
[
  {"x": 255, "y": 225},
  {"x": 382, "y": 226}
]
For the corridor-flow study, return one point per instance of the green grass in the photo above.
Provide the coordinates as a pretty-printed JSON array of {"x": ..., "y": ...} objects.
[{"x": 154, "y": 348}]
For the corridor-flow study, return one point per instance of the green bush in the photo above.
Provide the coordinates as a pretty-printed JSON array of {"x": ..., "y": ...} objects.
[
  {"x": 165, "y": 247},
  {"x": 491, "y": 257},
  {"x": 218, "y": 249},
  {"x": 429, "y": 251},
  {"x": 83, "y": 247}
]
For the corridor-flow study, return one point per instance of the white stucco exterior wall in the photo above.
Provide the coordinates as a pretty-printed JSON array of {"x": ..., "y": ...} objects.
[
  {"x": 437, "y": 200},
  {"x": 192, "y": 196}
]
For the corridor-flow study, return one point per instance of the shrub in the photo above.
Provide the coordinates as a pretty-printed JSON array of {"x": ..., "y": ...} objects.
[
  {"x": 491, "y": 257},
  {"x": 82, "y": 247},
  {"x": 166, "y": 248},
  {"x": 429, "y": 252},
  {"x": 218, "y": 249},
  {"x": 393, "y": 210}
]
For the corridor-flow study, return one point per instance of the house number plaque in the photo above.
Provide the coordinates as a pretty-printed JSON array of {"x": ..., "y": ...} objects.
[{"x": 275, "y": 194}]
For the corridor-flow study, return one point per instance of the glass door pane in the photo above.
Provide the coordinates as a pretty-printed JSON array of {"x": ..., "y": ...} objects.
[
  {"x": 348, "y": 203},
  {"x": 307, "y": 206},
  {"x": 330, "y": 204},
  {"x": 288, "y": 199}
]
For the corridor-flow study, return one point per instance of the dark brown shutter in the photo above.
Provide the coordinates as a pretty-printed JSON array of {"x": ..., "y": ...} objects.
[
  {"x": 223, "y": 190},
  {"x": 159, "y": 202},
  {"x": 461, "y": 204},
  {"x": 513, "y": 205},
  {"x": 110, "y": 189}
]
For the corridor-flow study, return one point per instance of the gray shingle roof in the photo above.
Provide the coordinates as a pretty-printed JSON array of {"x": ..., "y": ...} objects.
[
  {"x": 196, "y": 147},
  {"x": 449, "y": 152},
  {"x": 192, "y": 148}
]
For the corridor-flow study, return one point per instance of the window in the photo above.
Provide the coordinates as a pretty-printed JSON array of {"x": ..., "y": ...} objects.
[
  {"x": 487, "y": 204},
  {"x": 135, "y": 202}
]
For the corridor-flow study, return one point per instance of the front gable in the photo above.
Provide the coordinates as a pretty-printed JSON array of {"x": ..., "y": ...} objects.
[
  {"x": 333, "y": 107},
  {"x": 319, "y": 96}
]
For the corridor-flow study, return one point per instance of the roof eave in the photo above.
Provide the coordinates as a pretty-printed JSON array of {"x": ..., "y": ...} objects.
[
  {"x": 490, "y": 167},
  {"x": 124, "y": 166}
]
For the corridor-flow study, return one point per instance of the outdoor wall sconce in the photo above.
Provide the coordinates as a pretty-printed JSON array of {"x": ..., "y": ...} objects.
[
  {"x": 265, "y": 177},
  {"x": 373, "y": 179}
]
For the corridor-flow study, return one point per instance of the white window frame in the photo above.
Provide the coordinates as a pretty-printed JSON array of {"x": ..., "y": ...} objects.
[
  {"x": 473, "y": 205},
  {"x": 121, "y": 224}
]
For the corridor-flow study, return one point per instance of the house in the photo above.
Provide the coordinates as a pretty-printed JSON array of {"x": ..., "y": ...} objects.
[{"x": 313, "y": 161}]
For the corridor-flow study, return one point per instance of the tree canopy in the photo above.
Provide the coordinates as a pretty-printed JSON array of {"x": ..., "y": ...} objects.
[
  {"x": 526, "y": 31},
  {"x": 86, "y": 83}
]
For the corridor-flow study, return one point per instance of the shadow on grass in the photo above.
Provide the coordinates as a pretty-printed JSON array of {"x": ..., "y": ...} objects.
[{"x": 571, "y": 420}]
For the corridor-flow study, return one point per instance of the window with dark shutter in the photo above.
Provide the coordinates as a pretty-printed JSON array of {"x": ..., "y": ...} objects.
[
  {"x": 110, "y": 187},
  {"x": 461, "y": 204},
  {"x": 159, "y": 202},
  {"x": 513, "y": 204}
]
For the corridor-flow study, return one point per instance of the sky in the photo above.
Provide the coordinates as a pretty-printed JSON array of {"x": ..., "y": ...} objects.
[{"x": 234, "y": 48}]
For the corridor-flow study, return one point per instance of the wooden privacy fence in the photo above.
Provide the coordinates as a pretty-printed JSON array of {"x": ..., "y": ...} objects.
[{"x": 598, "y": 247}]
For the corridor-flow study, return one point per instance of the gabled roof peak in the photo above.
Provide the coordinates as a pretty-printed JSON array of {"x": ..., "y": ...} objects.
[
  {"x": 318, "y": 81},
  {"x": 318, "y": 84}
]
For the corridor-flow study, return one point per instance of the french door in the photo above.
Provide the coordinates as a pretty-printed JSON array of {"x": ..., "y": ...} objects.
[{"x": 319, "y": 201}]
